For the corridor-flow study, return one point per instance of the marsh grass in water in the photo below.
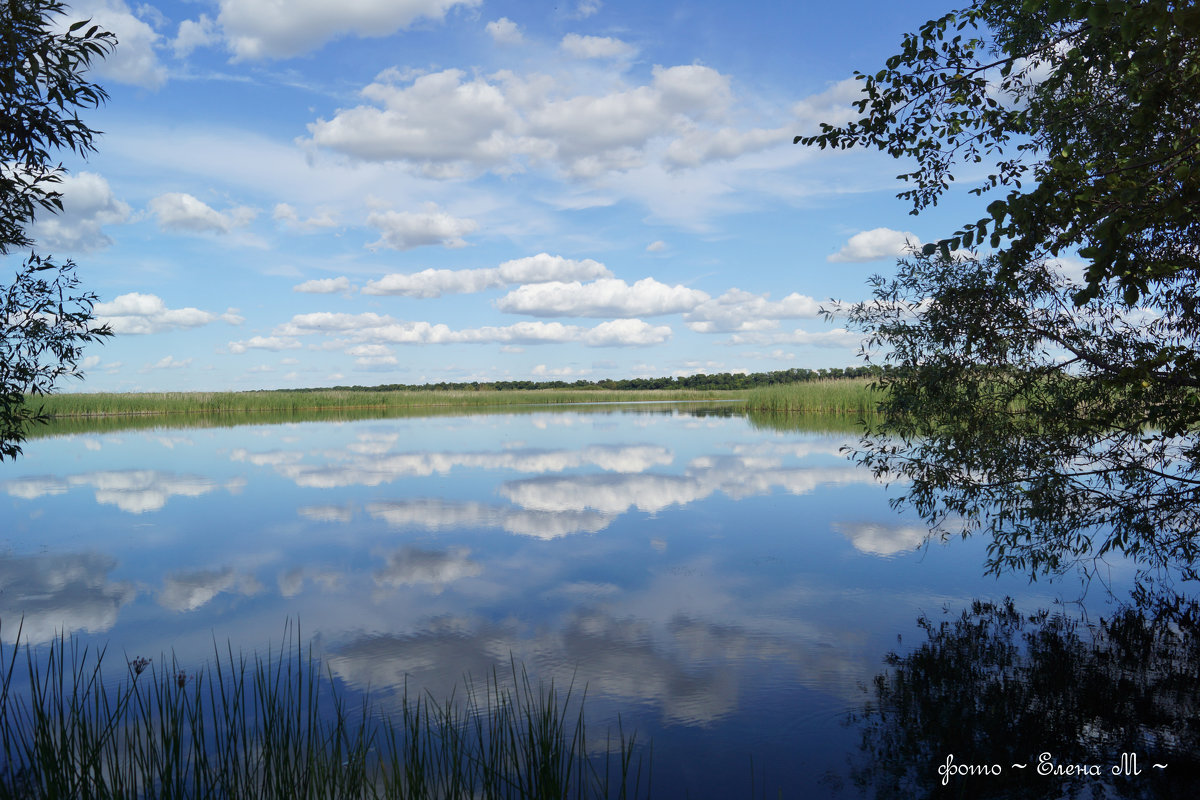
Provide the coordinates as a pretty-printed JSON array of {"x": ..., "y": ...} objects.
[
  {"x": 833, "y": 396},
  {"x": 273, "y": 727},
  {"x": 838, "y": 395},
  {"x": 100, "y": 404},
  {"x": 99, "y": 424}
]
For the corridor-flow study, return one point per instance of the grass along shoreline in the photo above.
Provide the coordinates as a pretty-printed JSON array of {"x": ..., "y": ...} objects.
[
  {"x": 104, "y": 404},
  {"x": 837, "y": 395},
  {"x": 829, "y": 396}
]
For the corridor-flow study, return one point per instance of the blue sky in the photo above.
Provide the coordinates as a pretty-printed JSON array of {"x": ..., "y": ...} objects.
[{"x": 313, "y": 193}]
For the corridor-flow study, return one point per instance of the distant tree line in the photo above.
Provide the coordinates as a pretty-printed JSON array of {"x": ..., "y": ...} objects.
[{"x": 721, "y": 380}]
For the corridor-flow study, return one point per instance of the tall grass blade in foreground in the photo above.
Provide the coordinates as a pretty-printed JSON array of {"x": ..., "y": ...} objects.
[{"x": 274, "y": 727}]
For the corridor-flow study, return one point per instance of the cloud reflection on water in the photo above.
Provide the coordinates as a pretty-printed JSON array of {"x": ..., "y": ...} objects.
[
  {"x": 410, "y": 565},
  {"x": 411, "y": 582},
  {"x": 688, "y": 669},
  {"x": 134, "y": 491},
  {"x": 188, "y": 591},
  {"x": 882, "y": 539},
  {"x": 44, "y": 595},
  {"x": 443, "y": 515},
  {"x": 614, "y": 494},
  {"x": 373, "y": 466}
]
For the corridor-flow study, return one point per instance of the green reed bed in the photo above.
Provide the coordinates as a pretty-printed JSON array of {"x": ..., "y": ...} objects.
[
  {"x": 99, "y": 404},
  {"x": 818, "y": 422},
  {"x": 112, "y": 423},
  {"x": 835, "y": 396},
  {"x": 274, "y": 727}
]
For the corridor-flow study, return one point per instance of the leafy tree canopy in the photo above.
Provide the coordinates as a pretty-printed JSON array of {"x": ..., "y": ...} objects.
[
  {"x": 44, "y": 319},
  {"x": 1058, "y": 412},
  {"x": 1085, "y": 110}
]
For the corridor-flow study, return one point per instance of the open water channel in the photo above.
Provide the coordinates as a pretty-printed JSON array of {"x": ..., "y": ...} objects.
[{"x": 729, "y": 588}]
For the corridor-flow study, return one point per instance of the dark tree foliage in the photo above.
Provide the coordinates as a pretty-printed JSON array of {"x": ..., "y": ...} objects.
[
  {"x": 1064, "y": 432},
  {"x": 44, "y": 318},
  {"x": 1087, "y": 110},
  {"x": 1057, "y": 413},
  {"x": 996, "y": 687}
]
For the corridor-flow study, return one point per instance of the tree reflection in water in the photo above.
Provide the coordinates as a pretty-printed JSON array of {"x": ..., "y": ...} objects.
[{"x": 997, "y": 687}]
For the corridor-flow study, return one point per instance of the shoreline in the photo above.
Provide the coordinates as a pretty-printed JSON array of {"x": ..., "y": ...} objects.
[{"x": 836, "y": 395}]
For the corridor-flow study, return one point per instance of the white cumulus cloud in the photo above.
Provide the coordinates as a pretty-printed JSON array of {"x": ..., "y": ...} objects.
[
  {"x": 738, "y": 310},
  {"x": 596, "y": 47},
  {"x": 275, "y": 343},
  {"x": 372, "y": 355},
  {"x": 195, "y": 33},
  {"x": 435, "y": 282},
  {"x": 838, "y": 337},
  {"x": 376, "y": 329},
  {"x": 586, "y": 8},
  {"x": 447, "y": 124},
  {"x": 255, "y": 29},
  {"x": 505, "y": 31},
  {"x": 876, "y": 244},
  {"x": 532, "y": 269},
  {"x": 626, "y": 333},
  {"x": 834, "y": 105},
  {"x": 182, "y": 213},
  {"x": 324, "y": 218},
  {"x": 135, "y": 59},
  {"x": 168, "y": 362},
  {"x": 88, "y": 205},
  {"x": 324, "y": 285},
  {"x": 702, "y": 145},
  {"x": 404, "y": 230},
  {"x": 138, "y": 313},
  {"x": 607, "y": 297},
  {"x": 545, "y": 267}
]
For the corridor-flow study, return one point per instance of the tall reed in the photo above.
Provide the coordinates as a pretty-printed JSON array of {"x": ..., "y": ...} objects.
[
  {"x": 275, "y": 727},
  {"x": 833, "y": 396}
]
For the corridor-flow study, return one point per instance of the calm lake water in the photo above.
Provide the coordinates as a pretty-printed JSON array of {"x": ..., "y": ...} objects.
[{"x": 728, "y": 589}]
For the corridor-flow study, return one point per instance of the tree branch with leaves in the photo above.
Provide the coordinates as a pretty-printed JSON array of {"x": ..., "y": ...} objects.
[
  {"x": 1058, "y": 414},
  {"x": 45, "y": 319}
]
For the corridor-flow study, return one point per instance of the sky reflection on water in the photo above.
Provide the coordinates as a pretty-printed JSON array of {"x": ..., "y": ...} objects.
[{"x": 727, "y": 590}]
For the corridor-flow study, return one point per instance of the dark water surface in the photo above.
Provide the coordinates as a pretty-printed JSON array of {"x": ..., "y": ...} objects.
[{"x": 728, "y": 589}]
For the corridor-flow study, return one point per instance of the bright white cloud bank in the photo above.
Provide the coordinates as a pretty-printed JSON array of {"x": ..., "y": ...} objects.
[
  {"x": 404, "y": 230},
  {"x": 450, "y": 123},
  {"x": 324, "y": 285},
  {"x": 596, "y": 47},
  {"x": 88, "y": 205},
  {"x": 382, "y": 329},
  {"x": 147, "y": 313},
  {"x": 876, "y": 244},
  {"x": 254, "y": 29},
  {"x": 180, "y": 212},
  {"x": 737, "y": 310},
  {"x": 505, "y": 31},
  {"x": 534, "y": 269},
  {"x": 135, "y": 60},
  {"x": 608, "y": 297}
]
